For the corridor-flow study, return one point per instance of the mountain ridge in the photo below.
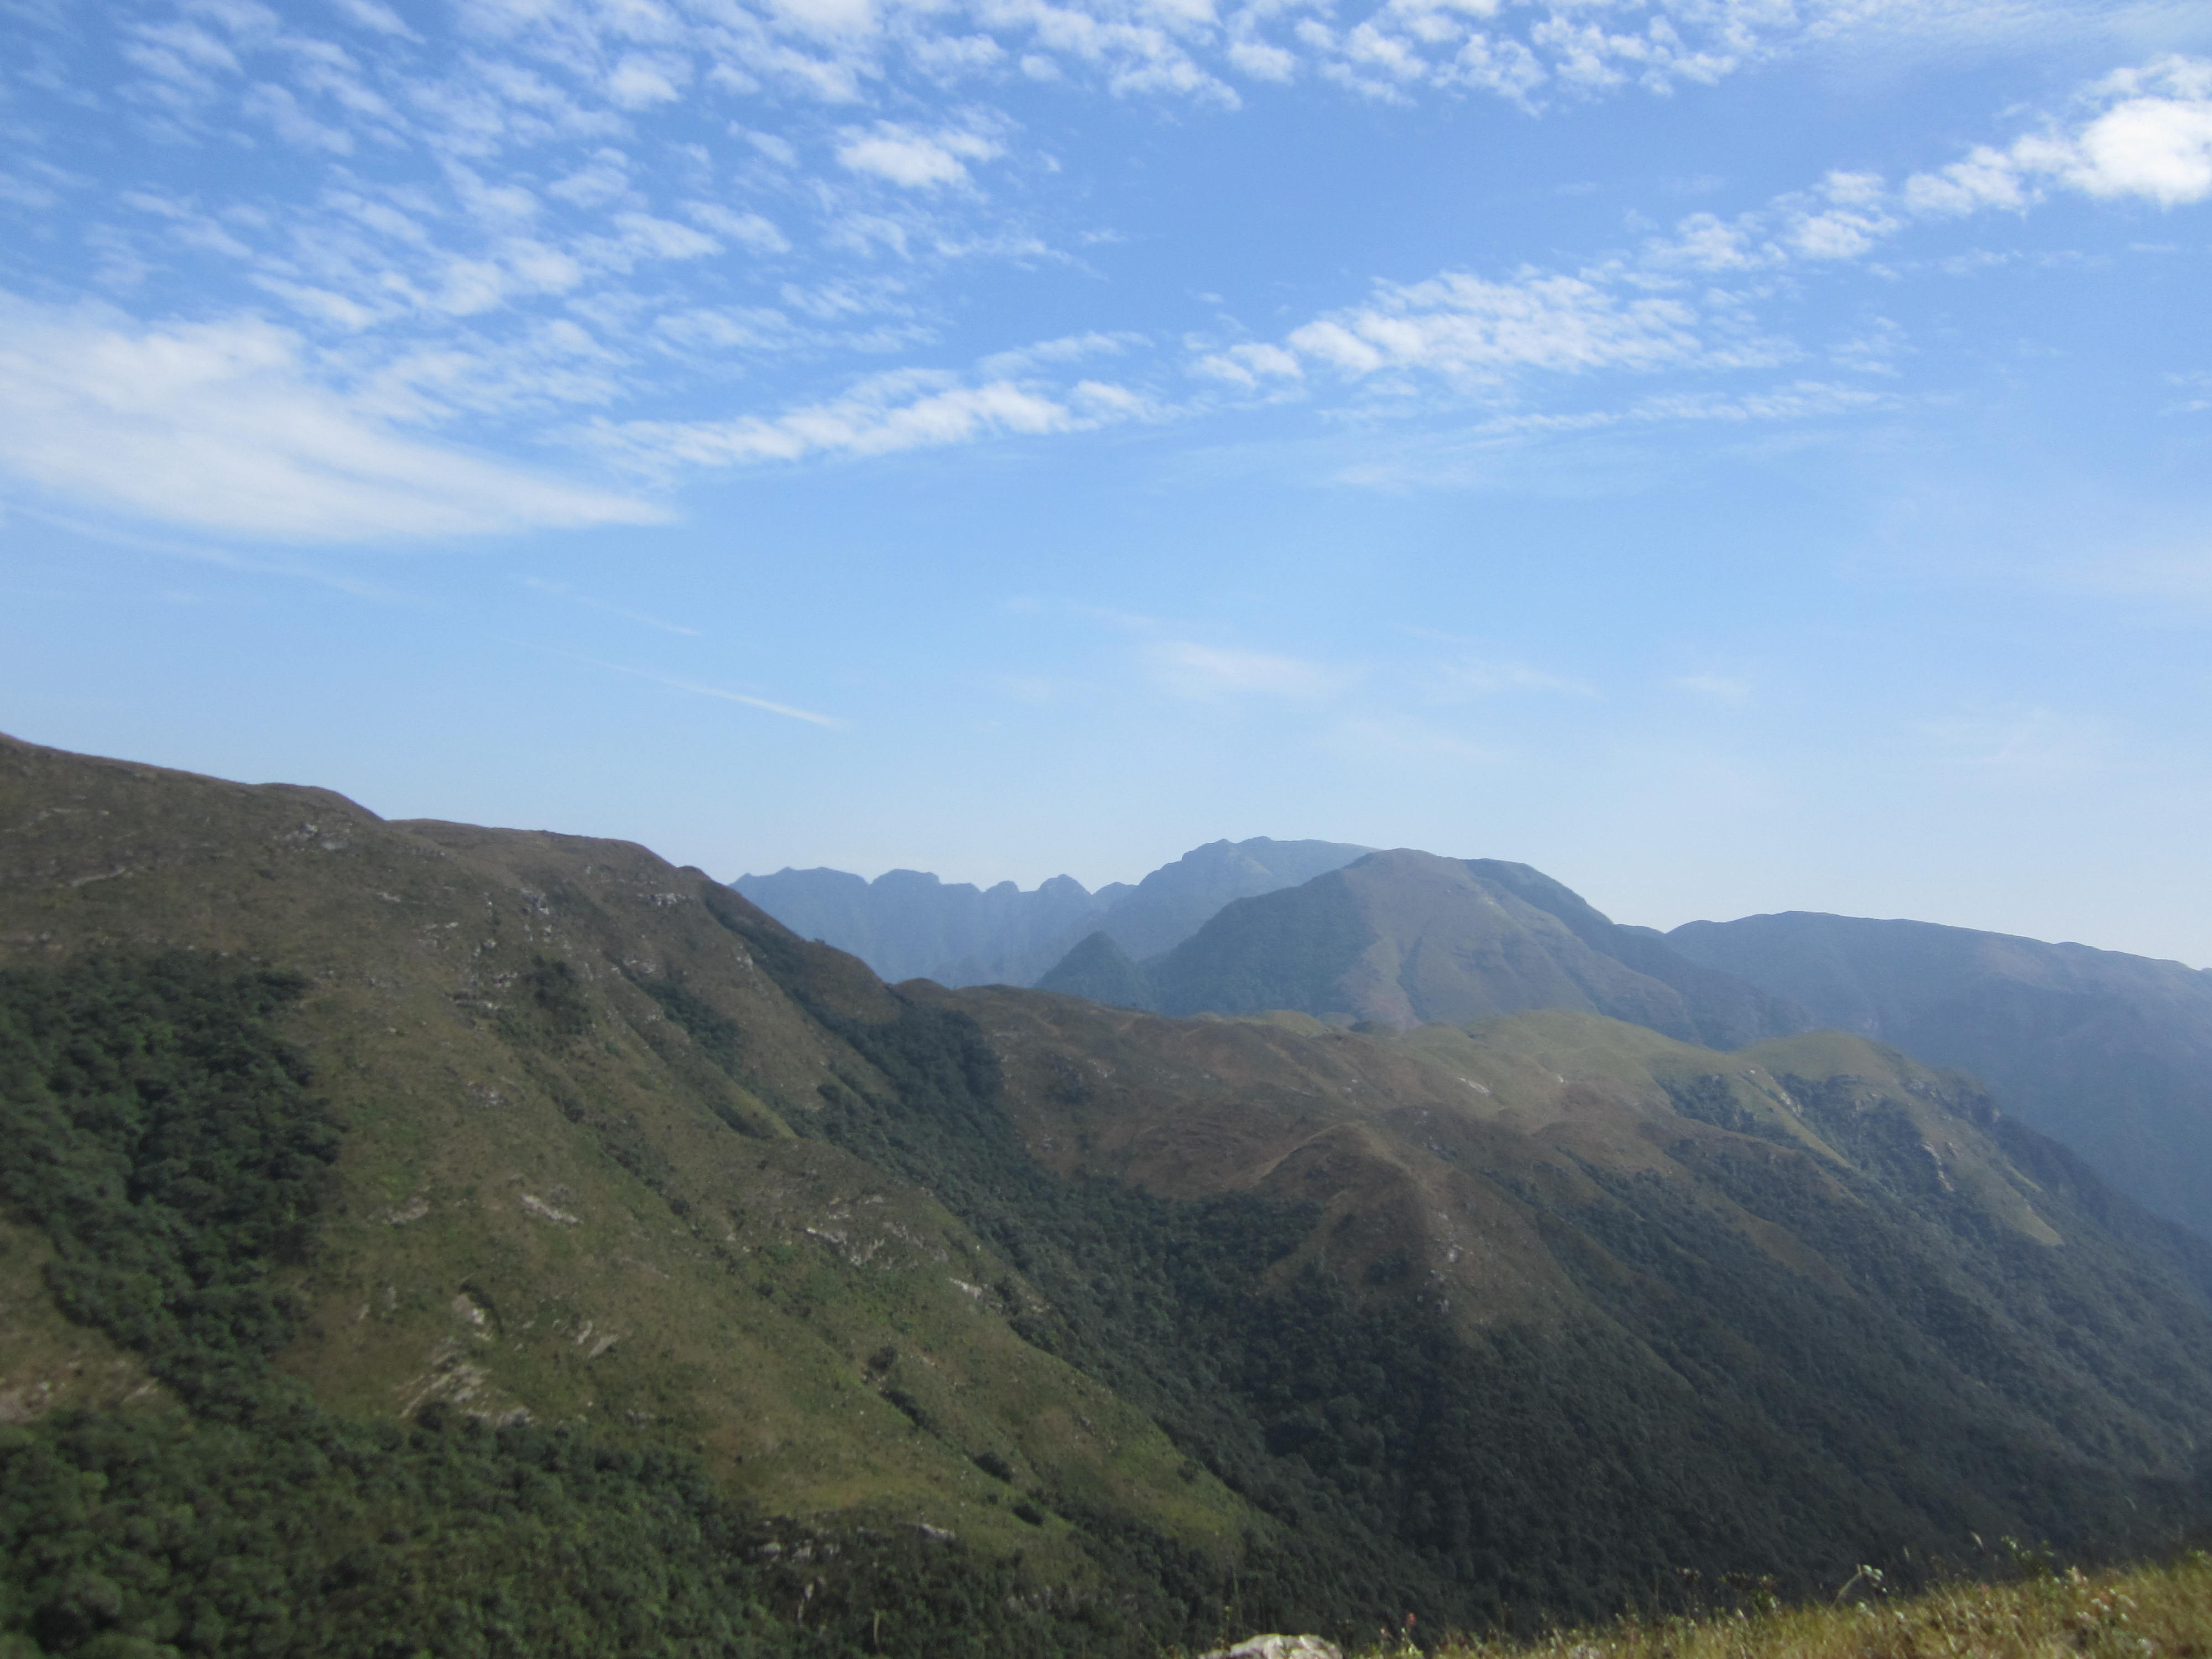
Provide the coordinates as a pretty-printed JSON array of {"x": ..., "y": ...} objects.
[
  {"x": 909, "y": 925},
  {"x": 2110, "y": 1053}
]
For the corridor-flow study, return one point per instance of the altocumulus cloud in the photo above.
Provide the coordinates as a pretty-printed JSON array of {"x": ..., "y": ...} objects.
[
  {"x": 1465, "y": 328},
  {"x": 220, "y": 426},
  {"x": 917, "y": 161},
  {"x": 909, "y": 409},
  {"x": 2142, "y": 134}
]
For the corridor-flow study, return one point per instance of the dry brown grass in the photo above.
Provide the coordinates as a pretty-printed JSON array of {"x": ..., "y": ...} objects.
[{"x": 2145, "y": 1613}]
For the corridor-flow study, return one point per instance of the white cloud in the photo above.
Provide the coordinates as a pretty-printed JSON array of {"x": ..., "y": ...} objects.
[
  {"x": 377, "y": 17},
  {"x": 908, "y": 410},
  {"x": 1249, "y": 365},
  {"x": 752, "y": 230},
  {"x": 1103, "y": 402},
  {"x": 645, "y": 237},
  {"x": 775, "y": 148},
  {"x": 2156, "y": 148},
  {"x": 1262, "y": 61},
  {"x": 1986, "y": 178},
  {"x": 1839, "y": 234},
  {"x": 277, "y": 106},
  {"x": 218, "y": 426},
  {"x": 1466, "y": 328},
  {"x": 554, "y": 365},
  {"x": 1067, "y": 349},
  {"x": 2144, "y": 133},
  {"x": 748, "y": 328},
  {"x": 24, "y": 193},
  {"x": 1797, "y": 401},
  {"x": 911, "y": 159},
  {"x": 2149, "y": 137},
  {"x": 604, "y": 179},
  {"x": 1189, "y": 669},
  {"x": 641, "y": 80},
  {"x": 829, "y": 17},
  {"x": 429, "y": 286}
]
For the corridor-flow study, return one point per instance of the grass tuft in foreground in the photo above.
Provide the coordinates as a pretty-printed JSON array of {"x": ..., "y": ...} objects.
[{"x": 2144, "y": 1613}]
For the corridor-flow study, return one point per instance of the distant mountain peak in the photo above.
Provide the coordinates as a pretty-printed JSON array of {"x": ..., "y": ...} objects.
[
  {"x": 907, "y": 924},
  {"x": 1402, "y": 937}
]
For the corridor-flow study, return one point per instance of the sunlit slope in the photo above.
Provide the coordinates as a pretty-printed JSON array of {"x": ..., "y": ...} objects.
[{"x": 554, "y": 1199}]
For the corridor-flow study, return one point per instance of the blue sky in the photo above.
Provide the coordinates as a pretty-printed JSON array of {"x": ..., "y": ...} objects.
[{"x": 1733, "y": 454}]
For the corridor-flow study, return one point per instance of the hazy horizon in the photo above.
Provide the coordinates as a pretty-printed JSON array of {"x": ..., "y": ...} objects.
[{"x": 987, "y": 884}]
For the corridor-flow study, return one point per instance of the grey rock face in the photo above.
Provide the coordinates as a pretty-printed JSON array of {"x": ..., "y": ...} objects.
[{"x": 1278, "y": 1647}]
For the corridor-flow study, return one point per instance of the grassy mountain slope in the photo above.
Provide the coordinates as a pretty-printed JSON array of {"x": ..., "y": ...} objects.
[
  {"x": 2109, "y": 1054},
  {"x": 555, "y": 1198},
  {"x": 1179, "y": 1326}
]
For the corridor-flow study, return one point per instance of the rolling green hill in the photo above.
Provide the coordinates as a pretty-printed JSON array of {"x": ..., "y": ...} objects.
[{"x": 422, "y": 1237}]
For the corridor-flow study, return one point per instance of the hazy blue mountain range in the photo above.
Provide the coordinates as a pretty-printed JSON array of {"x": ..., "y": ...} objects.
[
  {"x": 1403, "y": 938},
  {"x": 2109, "y": 1053},
  {"x": 907, "y": 925}
]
